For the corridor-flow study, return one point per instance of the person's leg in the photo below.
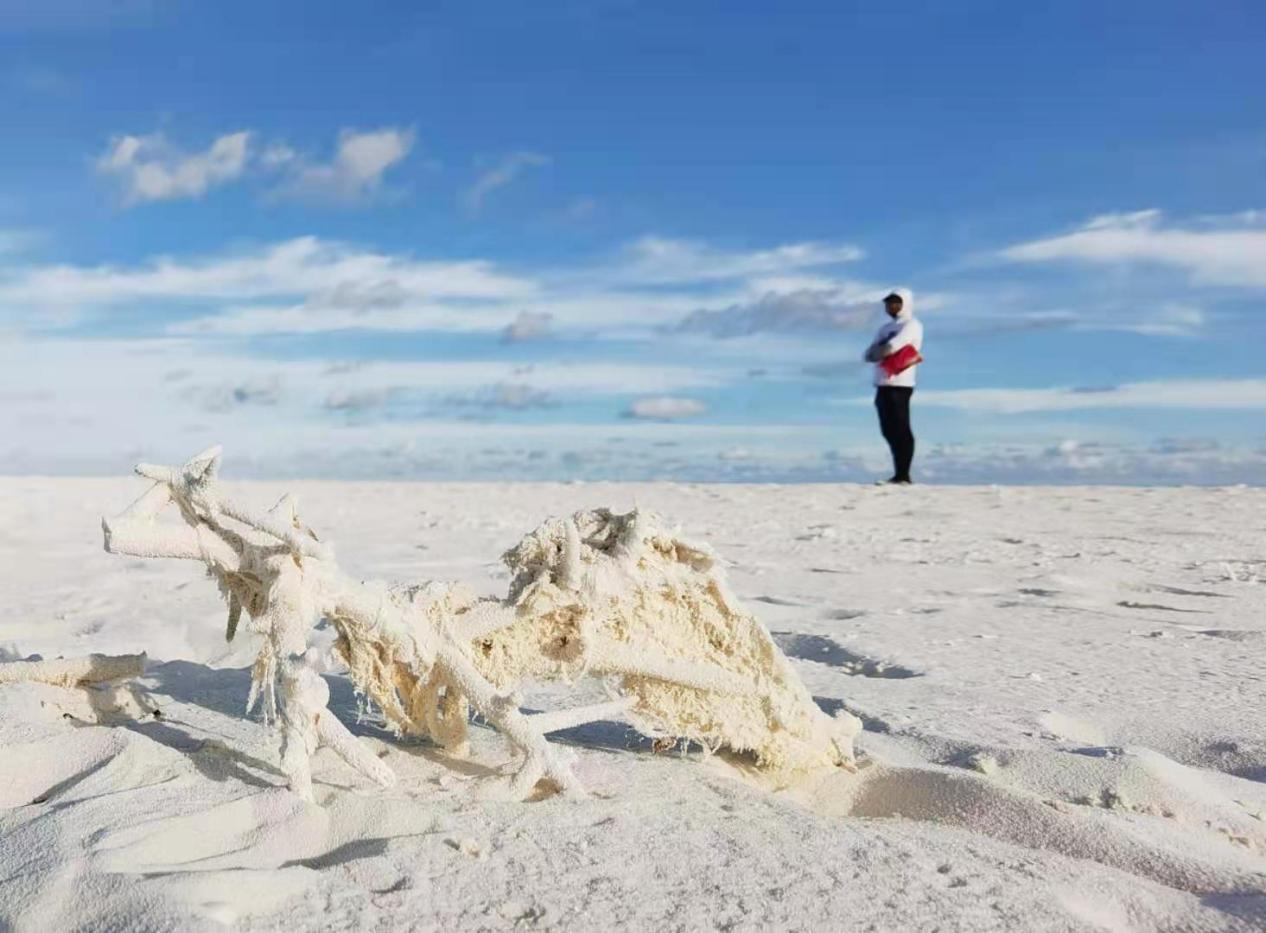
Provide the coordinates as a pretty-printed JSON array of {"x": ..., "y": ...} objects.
[
  {"x": 903, "y": 451},
  {"x": 885, "y": 404}
]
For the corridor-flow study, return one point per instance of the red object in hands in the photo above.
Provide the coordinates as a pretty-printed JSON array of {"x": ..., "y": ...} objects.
[{"x": 899, "y": 362}]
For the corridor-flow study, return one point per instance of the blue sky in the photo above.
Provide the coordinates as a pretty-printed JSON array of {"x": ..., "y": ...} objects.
[{"x": 632, "y": 240}]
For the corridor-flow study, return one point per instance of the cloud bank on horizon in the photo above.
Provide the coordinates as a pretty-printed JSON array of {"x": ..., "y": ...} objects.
[{"x": 635, "y": 272}]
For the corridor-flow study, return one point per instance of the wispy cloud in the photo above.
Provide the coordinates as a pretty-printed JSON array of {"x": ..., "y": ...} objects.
[
  {"x": 805, "y": 310},
  {"x": 179, "y": 392},
  {"x": 660, "y": 260},
  {"x": 508, "y": 396},
  {"x": 665, "y": 408},
  {"x": 1133, "y": 316},
  {"x": 528, "y": 325},
  {"x": 1167, "y": 320},
  {"x": 308, "y": 285},
  {"x": 323, "y": 274},
  {"x": 178, "y": 364},
  {"x": 1202, "y": 394},
  {"x": 354, "y": 174},
  {"x": 359, "y": 401},
  {"x": 1229, "y": 251},
  {"x": 306, "y": 417},
  {"x": 501, "y": 174},
  {"x": 150, "y": 168},
  {"x": 220, "y": 397},
  {"x": 1075, "y": 461}
]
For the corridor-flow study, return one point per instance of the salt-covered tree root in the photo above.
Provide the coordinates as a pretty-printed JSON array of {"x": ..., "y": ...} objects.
[
  {"x": 626, "y": 598},
  {"x": 542, "y": 760},
  {"x": 74, "y": 672},
  {"x": 620, "y": 598},
  {"x": 308, "y": 724}
]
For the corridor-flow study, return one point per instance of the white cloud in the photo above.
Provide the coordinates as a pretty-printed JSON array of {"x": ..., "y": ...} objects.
[
  {"x": 358, "y": 401},
  {"x": 1249, "y": 217},
  {"x": 1185, "y": 445},
  {"x": 510, "y": 396},
  {"x": 665, "y": 408},
  {"x": 803, "y": 310},
  {"x": 1169, "y": 320},
  {"x": 655, "y": 260},
  {"x": 309, "y": 285},
  {"x": 505, "y": 171},
  {"x": 1207, "y": 394},
  {"x": 528, "y": 325},
  {"x": 186, "y": 370},
  {"x": 1135, "y": 316},
  {"x": 278, "y": 155},
  {"x": 220, "y": 397},
  {"x": 1229, "y": 251},
  {"x": 567, "y": 307},
  {"x": 355, "y": 173},
  {"x": 1082, "y": 462},
  {"x": 100, "y": 404},
  {"x": 325, "y": 274},
  {"x": 152, "y": 169}
]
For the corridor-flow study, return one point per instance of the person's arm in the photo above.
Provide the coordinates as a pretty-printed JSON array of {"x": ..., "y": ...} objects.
[
  {"x": 907, "y": 335},
  {"x": 878, "y": 348}
]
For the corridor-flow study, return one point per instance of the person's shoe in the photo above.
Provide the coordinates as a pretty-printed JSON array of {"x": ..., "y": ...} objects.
[{"x": 895, "y": 481}]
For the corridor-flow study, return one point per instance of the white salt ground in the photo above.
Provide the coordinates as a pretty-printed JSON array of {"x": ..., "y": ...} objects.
[{"x": 1063, "y": 691}]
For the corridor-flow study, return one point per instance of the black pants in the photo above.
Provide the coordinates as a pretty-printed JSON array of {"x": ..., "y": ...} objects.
[{"x": 893, "y": 405}]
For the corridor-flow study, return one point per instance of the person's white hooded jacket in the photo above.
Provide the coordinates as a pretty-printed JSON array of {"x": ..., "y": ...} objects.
[{"x": 905, "y": 329}]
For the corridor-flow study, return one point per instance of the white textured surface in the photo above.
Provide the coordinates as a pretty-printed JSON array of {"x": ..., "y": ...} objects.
[{"x": 1064, "y": 693}]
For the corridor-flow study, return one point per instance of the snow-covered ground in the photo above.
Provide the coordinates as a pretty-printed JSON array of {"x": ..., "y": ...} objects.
[{"x": 1063, "y": 692}]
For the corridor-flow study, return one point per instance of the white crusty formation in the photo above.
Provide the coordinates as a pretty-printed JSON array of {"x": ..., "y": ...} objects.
[
  {"x": 74, "y": 672},
  {"x": 617, "y": 597}
]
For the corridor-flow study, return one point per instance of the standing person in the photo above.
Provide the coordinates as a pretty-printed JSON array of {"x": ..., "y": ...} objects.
[{"x": 895, "y": 353}]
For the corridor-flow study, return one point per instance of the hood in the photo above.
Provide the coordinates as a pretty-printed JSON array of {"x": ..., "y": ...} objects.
[{"x": 907, "y": 302}]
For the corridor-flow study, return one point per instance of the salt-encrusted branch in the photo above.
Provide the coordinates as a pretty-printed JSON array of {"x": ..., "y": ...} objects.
[
  {"x": 282, "y": 531},
  {"x": 618, "y": 597},
  {"x": 145, "y": 540},
  {"x": 557, "y": 720},
  {"x": 307, "y": 724},
  {"x": 542, "y": 761},
  {"x": 620, "y": 660}
]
